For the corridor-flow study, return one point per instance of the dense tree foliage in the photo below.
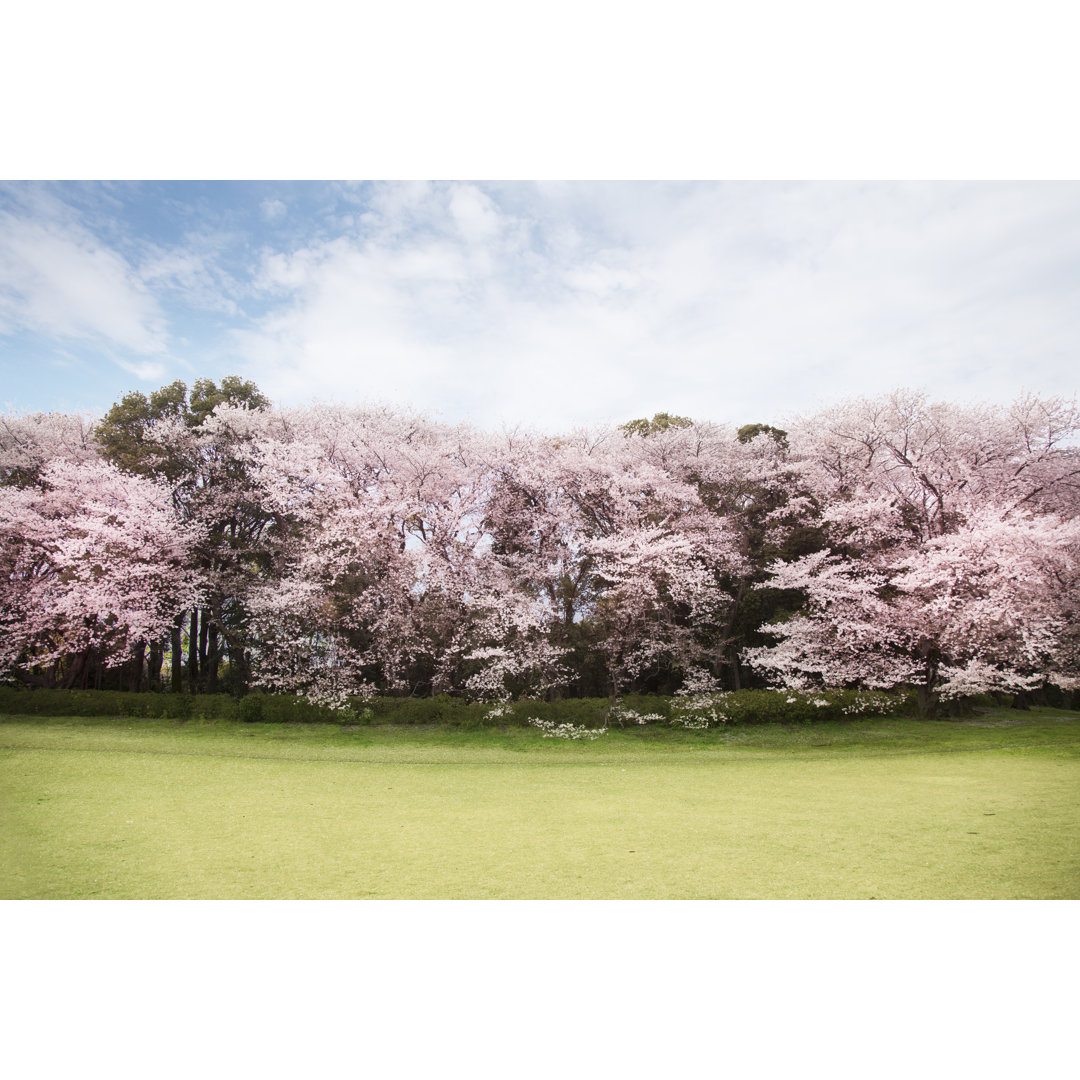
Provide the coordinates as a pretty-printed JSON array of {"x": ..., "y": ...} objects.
[
  {"x": 335, "y": 551},
  {"x": 953, "y": 555}
]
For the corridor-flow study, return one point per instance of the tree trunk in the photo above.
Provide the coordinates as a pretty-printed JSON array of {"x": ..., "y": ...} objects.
[
  {"x": 177, "y": 655},
  {"x": 615, "y": 675},
  {"x": 733, "y": 663},
  {"x": 729, "y": 652},
  {"x": 74, "y": 670},
  {"x": 203, "y": 633},
  {"x": 927, "y": 698},
  {"x": 238, "y": 672},
  {"x": 211, "y": 666},
  {"x": 153, "y": 669},
  {"x": 137, "y": 657},
  {"x": 193, "y": 651}
]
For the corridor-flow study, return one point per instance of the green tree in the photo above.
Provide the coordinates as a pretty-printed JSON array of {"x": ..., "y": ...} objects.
[
  {"x": 139, "y": 434},
  {"x": 205, "y": 397},
  {"x": 751, "y": 431},
  {"x": 661, "y": 421},
  {"x": 126, "y": 434}
]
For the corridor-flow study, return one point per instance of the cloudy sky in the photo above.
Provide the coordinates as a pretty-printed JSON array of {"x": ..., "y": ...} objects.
[{"x": 549, "y": 304}]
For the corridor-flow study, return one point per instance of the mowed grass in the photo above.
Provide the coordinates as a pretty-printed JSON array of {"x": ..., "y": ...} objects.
[{"x": 889, "y": 809}]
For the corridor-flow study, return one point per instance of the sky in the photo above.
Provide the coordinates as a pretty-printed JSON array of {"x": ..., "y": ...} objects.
[{"x": 548, "y": 304}]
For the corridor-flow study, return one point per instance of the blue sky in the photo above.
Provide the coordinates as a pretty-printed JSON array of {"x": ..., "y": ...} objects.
[{"x": 551, "y": 304}]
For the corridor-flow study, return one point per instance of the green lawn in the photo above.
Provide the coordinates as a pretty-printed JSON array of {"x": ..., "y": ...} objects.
[{"x": 136, "y": 809}]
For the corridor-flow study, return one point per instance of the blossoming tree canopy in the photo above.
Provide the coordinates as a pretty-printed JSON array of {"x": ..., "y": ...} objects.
[
  {"x": 95, "y": 562},
  {"x": 334, "y": 550},
  {"x": 952, "y": 559}
]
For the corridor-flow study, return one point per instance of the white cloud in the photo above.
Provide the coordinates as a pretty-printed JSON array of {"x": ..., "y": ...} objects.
[
  {"x": 58, "y": 281},
  {"x": 474, "y": 213},
  {"x": 273, "y": 209},
  {"x": 570, "y": 303},
  {"x": 146, "y": 370},
  {"x": 559, "y": 304},
  {"x": 193, "y": 275}
]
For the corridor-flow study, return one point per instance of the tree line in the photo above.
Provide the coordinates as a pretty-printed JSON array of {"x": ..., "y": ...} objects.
[{"x": 206, "y": 540}]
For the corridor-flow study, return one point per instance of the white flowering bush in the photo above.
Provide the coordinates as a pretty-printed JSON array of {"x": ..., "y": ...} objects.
[
  {"x": 623, "y": 715},
  {"x": 552, "y": 730},
  {"x": 699, "y": 681},
  {"x": 807, "y": 705},
  {"x": 874, "y": 702},
  {"x": 699, "y": 711}
]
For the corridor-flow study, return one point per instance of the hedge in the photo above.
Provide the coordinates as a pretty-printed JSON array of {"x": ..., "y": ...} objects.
[
  {"x": 116, "y": 703},
  {"x": 739, "y": 707}
]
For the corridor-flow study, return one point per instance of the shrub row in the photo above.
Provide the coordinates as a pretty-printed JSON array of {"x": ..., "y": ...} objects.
[
  {"x": 116, "y": 703},
  {"x": 788, "y": 706},
  {"x": 740, "y": 707},
  {"x": 274, "y": 708},
  {"x": 456, "y": 712}
]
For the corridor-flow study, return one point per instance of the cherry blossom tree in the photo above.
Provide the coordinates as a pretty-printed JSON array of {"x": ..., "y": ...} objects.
[
  {"x": 374, "y": 551},
  {"x": 605, "y": 530},
  {"x": 953, "y": 549},
  {"x": 95, "y": 563},
  {"x": 29, "y": 442},
  {"x": 168, "y": 436},
  {"x": 341, "y": 550}
]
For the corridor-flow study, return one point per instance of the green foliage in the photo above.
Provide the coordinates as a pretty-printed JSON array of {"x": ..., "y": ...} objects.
[
  {"x": 288, "y": 709},
  {"x": 739, "y": 707},
  {"x": 442, "y": 710},
  {"x": 749, "y": 432},
  {"x": 249, "y": 709},
  {"x": 20, "y": 701},
  {"x": 270, "y": 708},
  {"x": 126, "y": 433},
  {"x": 205, "y": 397},
  {"x": 788, "y": 707},
  {"x": 661, "y": 421},
  {"x": 587, "y": 712}
]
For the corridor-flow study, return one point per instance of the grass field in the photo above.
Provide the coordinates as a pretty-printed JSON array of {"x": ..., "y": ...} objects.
[{"x": 889, "y": 809}]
